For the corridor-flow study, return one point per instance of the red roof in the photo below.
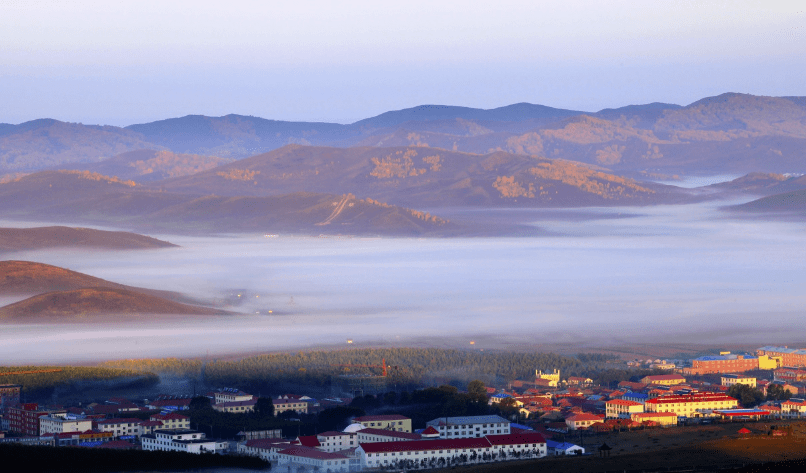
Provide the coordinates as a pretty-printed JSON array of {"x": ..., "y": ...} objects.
[
  {"x": 641, "y": 415},
  {"x": 701, "y": 397},
  {"x": 308, "y": 452},
  {"x": 381, "y": 418},
  {"x": 170, "y": 416},
  {"x": 121, "y": 421},
  {"x": 583, "y": 416},
  {"x": 333, "y": 433},
  {"x": 744, "y": 430},
  {"x": 622, "y": 402},
  {"x": 664, "y": 377},
  {"x": 266, "y": 443},
  {"x": 420, "y": 445},
  {"x": 309, "y": 441},
  {"x": 516, "y": 439},
  {"x": 430, "y": 431}
]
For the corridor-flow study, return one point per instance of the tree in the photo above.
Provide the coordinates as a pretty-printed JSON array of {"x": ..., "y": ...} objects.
[
  {"x": 747, "y": 396},
  {"x": 776, "y": 392},
  {"x": 199, "y": 403},
  {"x": 477, "y": 391},
  {"x": 264, "y": 407}
]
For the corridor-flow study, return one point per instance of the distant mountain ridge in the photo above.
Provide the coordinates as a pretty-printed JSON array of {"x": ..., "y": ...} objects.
[{"x": 730, "y": 132}]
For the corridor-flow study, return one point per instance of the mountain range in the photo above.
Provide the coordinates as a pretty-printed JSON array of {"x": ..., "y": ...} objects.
[{"x": 736, "y": 133}]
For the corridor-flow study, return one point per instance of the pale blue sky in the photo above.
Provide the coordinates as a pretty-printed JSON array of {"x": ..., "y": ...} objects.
[{"x": 134, "y": 61}]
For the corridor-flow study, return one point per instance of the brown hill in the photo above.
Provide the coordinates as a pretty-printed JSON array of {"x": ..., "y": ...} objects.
[
  {"x": 19, "y": 239},
  {"x": 97, "y": 301},
  {"x": 424, "y": 177},
  {"x": 19, "y": 278},
  {"x": 762, "y": 184},
  {"x": 792, "y": 203},
  {"x": 147, "y": 165}
]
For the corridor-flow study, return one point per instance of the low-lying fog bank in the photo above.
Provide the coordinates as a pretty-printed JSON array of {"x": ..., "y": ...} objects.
[{"x": 668, "y": 273}]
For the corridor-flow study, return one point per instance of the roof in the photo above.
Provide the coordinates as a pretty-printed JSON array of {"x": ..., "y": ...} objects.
[
  {"x": 663, "y": 377},
  {"x": 465, "y": 420},
  {"x": 742, "y": 412},
  {"x": 333, "y": 433},
  {"x": 702, "y": 397},
  {"x": 354, "y": 428},
  {"x": 583, "y": 417},
  {"x": 392, "y": 433},
  {"x": 121, "y": 421},
  {"x": 250, "y": 402},
  {"x": 380, "y": 418},
  {"x": 622, "y": 402},
  {"x": 641, "y": 415},
  {"x": 266, "y": 443},
  {"x": 170, "y": 416},
  {"x": 430, "y": 430},
  {"x": 309, "y": 441},
  {"x": 560, "y": 445},
  {"x": 636, "y": 395},
  {"x": 419, "y": 445},
  {"x": 792, "y": 351},
  {"x": 516, "y": 439},
  {"x": 308, "y": 452},
  {"x": 725, "y": 357}
]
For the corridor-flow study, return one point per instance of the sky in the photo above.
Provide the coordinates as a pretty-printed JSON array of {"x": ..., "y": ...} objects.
[{"x": 126, "y": 62}]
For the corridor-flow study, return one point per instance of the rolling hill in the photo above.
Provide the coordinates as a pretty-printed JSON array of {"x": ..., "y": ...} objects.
[
  {"x": 20, "y": 239},
  {"x": 424, "y": 177},
  {"x": 97, "y": 302},
  {"x": 785, "y": 204},
  {"x": 20, "y": 278}
]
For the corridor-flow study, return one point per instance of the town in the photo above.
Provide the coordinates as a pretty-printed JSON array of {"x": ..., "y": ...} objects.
[{"x": 549, "y": 415}]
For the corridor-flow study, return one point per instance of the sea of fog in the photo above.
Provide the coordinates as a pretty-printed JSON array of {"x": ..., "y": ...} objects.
[{"x": 687, "y": 274}]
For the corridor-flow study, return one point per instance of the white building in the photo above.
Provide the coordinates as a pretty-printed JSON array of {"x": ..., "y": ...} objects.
[
  {"x": 181, "y": 440},
  {"x": 231, "y": 395},
  {"x": 121, "y": 427},
  {"x": 61, "y": 423},
  {"x": 470, "y": 426},
  {"x": 332, "y": 441},
  {"x": 298, "y": 457}
]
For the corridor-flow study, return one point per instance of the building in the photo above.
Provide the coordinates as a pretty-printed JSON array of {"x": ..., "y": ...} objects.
[
  {"x": 622, "y": 408},
  {"x": 579, "y": 381},
  {"x": 582, "y": 421},
  {"x": 731, "y": 379},
  {"x": 299, "y": 458},
  {"x": 445, "y": 452},
  {"x": 241, "y": 407},
  {"x": 793, "y": 408},
  {"x": 24, "y": 418},
  {"x": 122, "y": 427},
  {"x": 636, "y": 397},
  {"x": 283, "y": 405},
  {"x": 9, "y": 394},
  {"x": 81, "y": 438},
  {"x": 63, "y": 422},
  {"x": 371, "y": 435},
  {"x": 332, "y": 441},
  {"x": 554, "y": 448},
  {"x": 790, "y": 375},
  {"x": 795, "y": 357},
  {"x": 470, "y": 426},
  {"x": 691, "y": 405},
  {"x": 661, "y": 418},
  {"x": 553, "y": 378},
  {"x": 663, "y": 379},
  {"x": 394, "y": 422},
  {"x": 170, "y": 403},
  {"x": 172, "y": 420},
  {"x": 231, "y": 395},
  {"x": 266, "y": 449},
  {"x": 181, "y": 440}
]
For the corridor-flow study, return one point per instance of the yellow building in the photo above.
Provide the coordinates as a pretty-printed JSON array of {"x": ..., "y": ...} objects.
[
  {"x": 394, "y": 422},
  {"x": 582, "y": 421},
  {"x": 622, "y": 409},
  {"x": 553, "y": 378},
  {"x": 731, "y": 379},
  {"x": 766, "y": 362},
  {"x": 662, "y": 418},
  {"x": 691, "y": 405}
]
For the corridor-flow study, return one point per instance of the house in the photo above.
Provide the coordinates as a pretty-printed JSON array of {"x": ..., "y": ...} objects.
[
  {"x": 23, "y": 419},
  {"x": 731, "y": 379},
  {"x": 231, "y": 395},
  {"x": 182, "y": 440},
  {"x": 394, "y": 422},
  {"x": 579, "y": 381},
  {"x": 691, "y": 405},
  {"x": 63, "y": 422},
  {"x": 172, "y": 420},
  {"x": 284, "y": 405},
  {"x": 622, "y": 408},
  {"x": 332, "y": 441},
  {"x": 582, "y": 421},
  {"x": 795, "y": 357},
  {"x": 263, "y": 448},
  {"x": 240, "y": 407},
  {"x": 663, "y": 379},
  {"x": 121, "y": 427},
  {"x": 553, "y": 378},
  {"x": 169, "y": 402},
  {"x": 635, "y": 397},
  {"x": 793, "y": 408},
  {"x": 470, "y": 426}
]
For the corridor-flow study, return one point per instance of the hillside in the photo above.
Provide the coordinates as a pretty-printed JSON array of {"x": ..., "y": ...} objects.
[
  {"x": 791, "y": 203},
  {"x": 147, "y": 165},
  {"x": 18, "y": 278},
  {"x": 96, "y": 302},
  {"x": 417, "y": 176},
  {"x": 76, "y": 196},
  {"x": 20, "y": 239},
  {"x": 762, "y": 184}
]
